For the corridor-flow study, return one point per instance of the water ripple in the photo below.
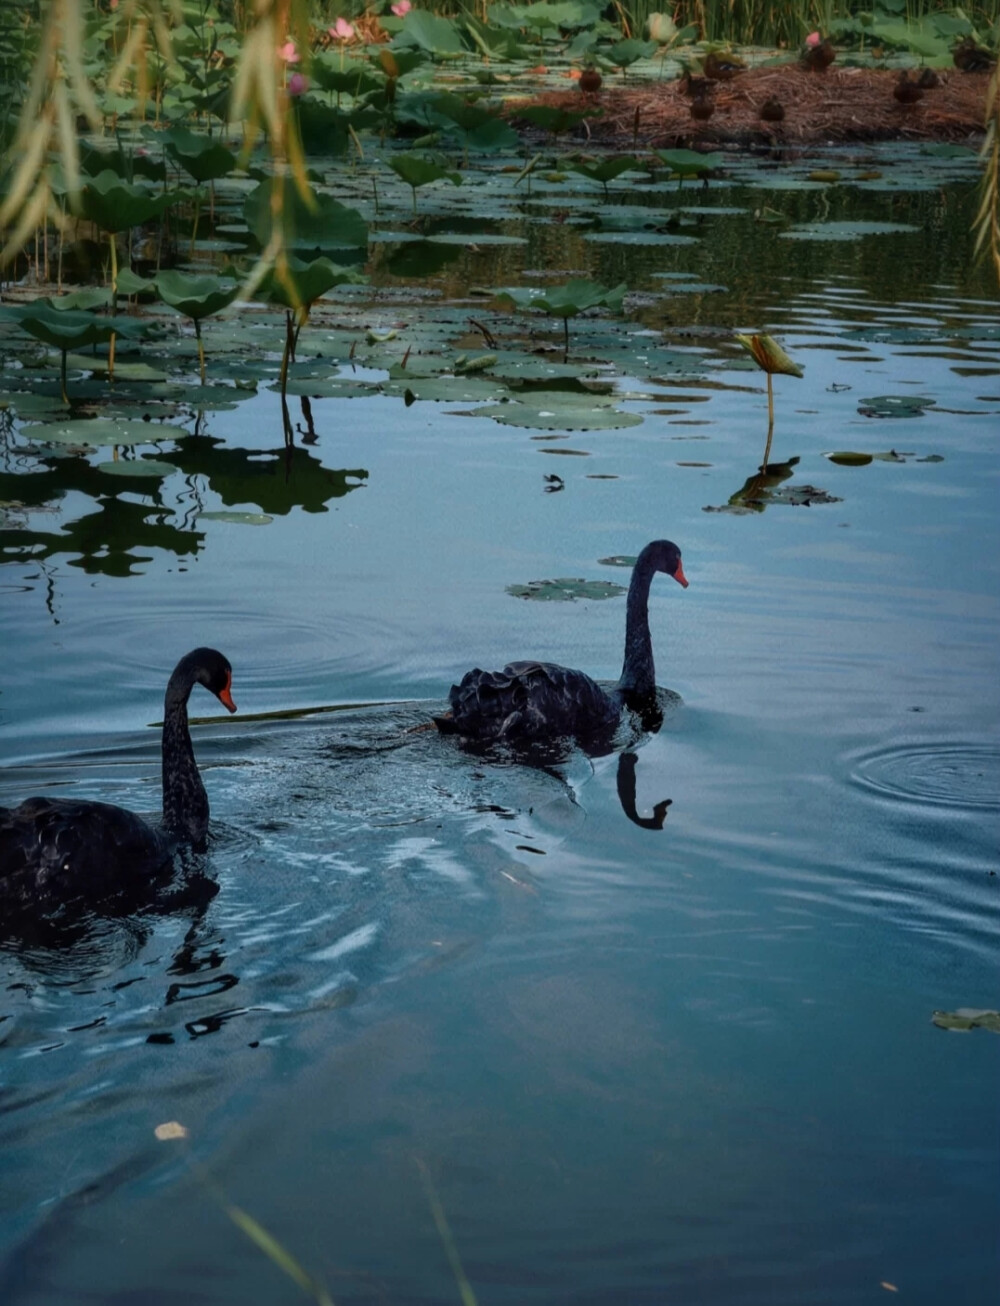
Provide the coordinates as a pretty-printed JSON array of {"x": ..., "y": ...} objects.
[{"x": 952, "y": 774}]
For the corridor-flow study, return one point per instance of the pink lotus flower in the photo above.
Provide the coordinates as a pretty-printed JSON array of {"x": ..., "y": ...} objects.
[
  {"x": 298, "y": 84},
  {"x": 814, "y": 38},
  {"x": 402, "y": 8},
  {"x": 289, "y": 53},
  {"x": 342, "y": 30}
]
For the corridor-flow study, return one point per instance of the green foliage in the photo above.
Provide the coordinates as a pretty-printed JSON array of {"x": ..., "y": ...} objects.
[
  {"x": 114, "y": 205},
  {"x": 200, "y": 156},
  {"x": 323, "y": 224},
  {"x": 566, "y": 301}
]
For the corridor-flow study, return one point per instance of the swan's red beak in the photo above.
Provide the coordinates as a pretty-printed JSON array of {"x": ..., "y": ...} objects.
[
  {"x": 679, "y": 576},
  {"x": 226, "y": 698}
]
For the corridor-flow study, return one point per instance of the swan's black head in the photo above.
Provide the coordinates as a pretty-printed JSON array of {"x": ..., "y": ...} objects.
[
  {"x": 208, "y": 667},
  {"x": 666, "y": 556}
]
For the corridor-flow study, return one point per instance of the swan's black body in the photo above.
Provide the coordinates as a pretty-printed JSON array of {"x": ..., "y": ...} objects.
[
  {"x": 542, "y": 700},
  {"x": 59, "y": 848}
]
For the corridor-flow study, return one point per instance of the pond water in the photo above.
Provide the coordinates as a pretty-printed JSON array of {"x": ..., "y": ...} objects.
[{"x": 444, "y": 1022}]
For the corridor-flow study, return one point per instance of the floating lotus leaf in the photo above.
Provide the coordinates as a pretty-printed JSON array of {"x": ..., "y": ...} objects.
[
  {"x": 582, "y": 416},
  {"x": 639, "y": 237},
  {"x": 967, "y": 1018},
  {"x": 447, "y": 389},
  {"x": 330, "y": 389},
  {"x": 101, "y": 431},
  {"x": 239, "y": 518},
  {"x": 844, "y": 230},
  {"x": 895, "y": 406},
  {"x": 137, "y": 467},
  {"x": 566, "y": 590}
]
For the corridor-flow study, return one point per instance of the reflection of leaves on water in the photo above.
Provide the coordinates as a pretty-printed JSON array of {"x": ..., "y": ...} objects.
[
  {"x": 119, "y": 535},
  {"x": 762, "y": 490}
]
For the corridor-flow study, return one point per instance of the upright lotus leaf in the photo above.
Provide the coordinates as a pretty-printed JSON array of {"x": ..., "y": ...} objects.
[
  {"x": 689, "y": 163},
  {"x": 296, "y": 286},
  {"x": 356, "y": 77},
  {"x": 479, "y": 127},
  {"x": 567, "y": 301},
  {"x": 115, "y": 205},
  {"x": 605, "y": 170},
  {"x": 67, "y": 329},
  {"x": 328, "y": 227},
  {"x": 555, "y": 121},
  {"x": 770, "y": 358},
  {"x": 436, "y": 35},
  {"x": 196, "y": 297},
  {"x": 625, "y": 53},
  {"x": 420, "y": 170},
  {"x": 200, "y": 156}
]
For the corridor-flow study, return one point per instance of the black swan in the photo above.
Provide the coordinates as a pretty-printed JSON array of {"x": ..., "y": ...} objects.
[
  {"x": 541, "y": 700},
  {"x": 67, "y": 848}
]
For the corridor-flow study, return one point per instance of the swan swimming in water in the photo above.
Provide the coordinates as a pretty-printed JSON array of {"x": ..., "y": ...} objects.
[{"x": 542, "y": 700}]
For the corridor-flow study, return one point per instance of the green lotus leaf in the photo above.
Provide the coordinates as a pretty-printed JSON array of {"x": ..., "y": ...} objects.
[
  {"x": 605, "y": 170},
  {"x": 582, "y": 416},
  {"x": 101, "y": 431},
  {"x": 328, "y": 227},
  {"x": 895, "y": 406},
  {"x": 567, "y": 300},
  {"x": 967, "y": 1018},
  {"x": 201, "y": 157},
  {"x": 552, "y": 120},
  {"x": 303, "y": 283},
  {"x": 114, "y": 205},
  {"x": 138, "y": 467},
  {"x": 689, "y": 163},
  {"x": 429, "y": 32},
  {"x": 625, "y": 53},
  {"x": 566, "y": 590},
  {"x": 843, "y": 230},
  {"x": 70, "y": 329},
  {"x": 195, "y": 296},
  {"x": 238, "y": 518},
  {"x": 420, "y": 170}
]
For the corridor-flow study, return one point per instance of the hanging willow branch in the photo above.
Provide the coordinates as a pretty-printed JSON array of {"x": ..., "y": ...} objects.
[
  {"x": 987, "y": 222},
  {"x": 60, "y": 92}
]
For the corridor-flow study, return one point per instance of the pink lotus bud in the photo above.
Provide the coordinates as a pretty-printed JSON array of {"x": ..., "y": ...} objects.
[
  {"x": 342, "y": 30},
  {"x": 402, "y": 8},
  {"x": 289, "y": 53},
  {"x": 298, "y": 84}
]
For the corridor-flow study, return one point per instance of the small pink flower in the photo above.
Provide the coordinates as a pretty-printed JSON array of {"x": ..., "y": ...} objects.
[
  {"x": 298, "y": 84},
  {"x": 342, "y": 30},
  {"x": 289, "y": 53},
  {"x": 814, "y": 38},
  {"x": 402, "y": 8}
]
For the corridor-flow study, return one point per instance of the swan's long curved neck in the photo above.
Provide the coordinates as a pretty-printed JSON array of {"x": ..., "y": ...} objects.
[
  {"x": 185, "y": 802},
  {"x": 638, "y": 673}
]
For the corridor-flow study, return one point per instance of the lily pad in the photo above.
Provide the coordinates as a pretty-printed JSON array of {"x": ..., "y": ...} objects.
[
  {"x": 239, "y": 518},
  {"x": 139, "y": 467},
  {"x": 550, "y": 416},
  {"x": 101, "y": 431},
  {"x": 967, "y": 1018},
  {"x": 565, "y": 590},
  {"x": 895, "y": 406},
  {"x": 844, "y": 230}
]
